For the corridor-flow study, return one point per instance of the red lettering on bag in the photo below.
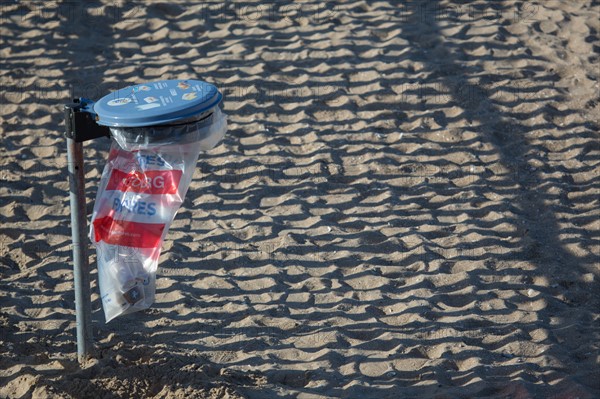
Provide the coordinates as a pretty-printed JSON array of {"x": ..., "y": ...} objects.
[
  {"x": 149, "y": 182},
  {"x": 127, "y": 234}
]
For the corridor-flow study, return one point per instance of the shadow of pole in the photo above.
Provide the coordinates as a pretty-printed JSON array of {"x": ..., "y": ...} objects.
[{"x": 498, "y": 128}]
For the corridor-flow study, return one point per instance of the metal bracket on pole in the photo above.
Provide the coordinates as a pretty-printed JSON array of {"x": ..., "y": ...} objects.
[
  {"x": 80, "y": 122},
  {"x": 80, "y": 126}
]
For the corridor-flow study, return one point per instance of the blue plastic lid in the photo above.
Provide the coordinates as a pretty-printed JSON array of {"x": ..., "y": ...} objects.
[{"x": 156, "y": 103}]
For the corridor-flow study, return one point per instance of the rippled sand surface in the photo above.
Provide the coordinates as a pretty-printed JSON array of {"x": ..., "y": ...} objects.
[{"x": 406, "y": 204}]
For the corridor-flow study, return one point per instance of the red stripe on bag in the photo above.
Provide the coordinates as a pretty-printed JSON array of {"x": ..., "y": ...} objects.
[
  {"x": 149, "y": 182},
  {"x": 127, "y": 234}
]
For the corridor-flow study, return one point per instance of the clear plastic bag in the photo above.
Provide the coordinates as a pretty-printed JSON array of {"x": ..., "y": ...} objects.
[
  {"x": 200, "y": 128},
  {"x": 142, "y": 187}
]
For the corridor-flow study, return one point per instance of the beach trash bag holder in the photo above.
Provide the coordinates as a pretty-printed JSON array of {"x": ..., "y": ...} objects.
[{"x": 157, "y": 131}]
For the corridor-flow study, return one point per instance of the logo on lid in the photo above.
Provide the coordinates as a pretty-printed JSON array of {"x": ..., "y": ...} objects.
[
  {"x": 141, "y": 88},
  {"x": 183, "y": 85},
  {"x": 189, "y": 96},
  {"x": 119, "y": 101}
]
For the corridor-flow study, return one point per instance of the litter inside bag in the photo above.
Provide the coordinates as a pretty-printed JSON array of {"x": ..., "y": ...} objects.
[{"x": 142, "y": 187}]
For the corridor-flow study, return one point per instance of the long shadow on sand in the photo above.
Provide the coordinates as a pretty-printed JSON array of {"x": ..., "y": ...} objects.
[{"x": 470, "y": 292}]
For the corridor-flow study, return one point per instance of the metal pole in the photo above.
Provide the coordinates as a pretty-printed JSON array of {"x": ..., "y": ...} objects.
[{"x": 81, "y": 269}]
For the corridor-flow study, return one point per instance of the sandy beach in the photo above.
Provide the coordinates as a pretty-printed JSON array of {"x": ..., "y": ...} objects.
[{"x": 406, "y": 203}]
